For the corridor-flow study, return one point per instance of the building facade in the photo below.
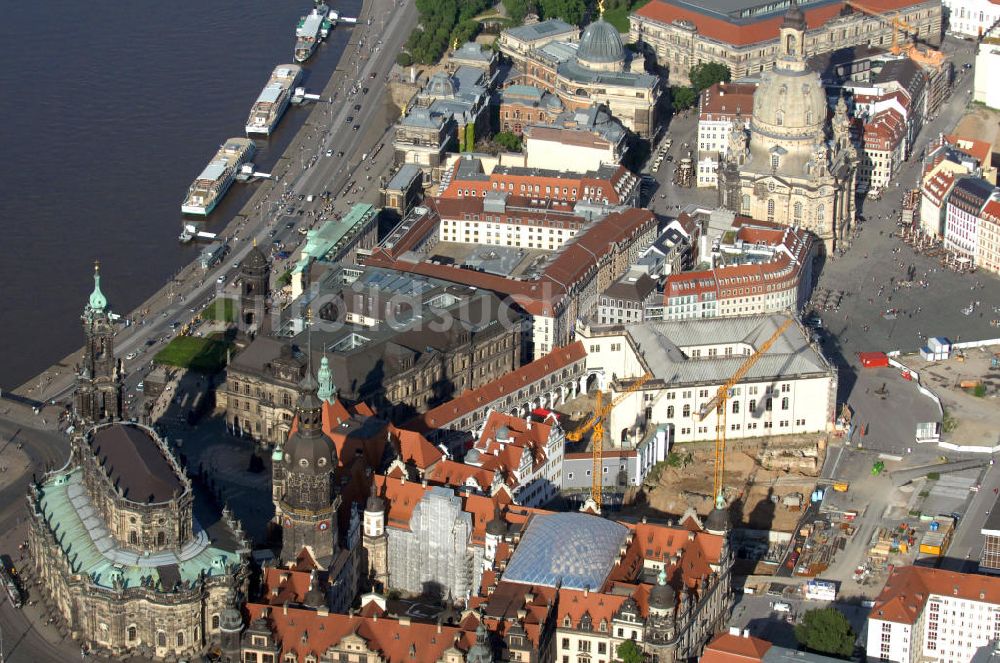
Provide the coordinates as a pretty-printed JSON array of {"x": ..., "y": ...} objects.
[
  {"x": 747, "y": 41},
  {"x": 758, "y": 268},
  {"x": 971, "y": 18},
  {"x": 791, "y": 390},
  {"x": 790, "y": 173},
  {"x": 718, "y": 108},
  {"x": 928, "y": 614}
]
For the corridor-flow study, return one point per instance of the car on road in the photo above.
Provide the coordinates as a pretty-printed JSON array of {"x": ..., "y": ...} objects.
[
  {"x": 782, "y": 607},
  {"x": 357, "y": 107},
  {"x": 289, "y": 210},
  {"x": 132, "y": 355},
  {"x": 374, "y": 74},
  {"x": 329, "y": 153},
  {"x": 670, "y": 157},
  {"x": 350, "y": 118},
  {"x": 140, "y": 386},
  {"x": 151, "y": 342},
  {"x": 364, "y": 90},
  {"x": 302, "y": 197},
  {"x": 357, "y": 126},
  {"x": 289, "y": 225}
]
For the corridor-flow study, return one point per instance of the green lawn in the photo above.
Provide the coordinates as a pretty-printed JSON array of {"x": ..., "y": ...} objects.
[
  {"x": 223, "y": 310},
  {"x": 205, "y": 355},
  {"x": 618, "y": 18}
]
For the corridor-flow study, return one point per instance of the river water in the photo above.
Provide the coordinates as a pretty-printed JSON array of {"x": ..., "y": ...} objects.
[{"x": 109, "y": 110}]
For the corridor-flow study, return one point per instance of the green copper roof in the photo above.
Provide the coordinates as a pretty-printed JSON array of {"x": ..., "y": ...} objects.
[
  {"x": 326, "y": 389},
  {"x": 277, "y": 454},
  {"x": 98, "y": 302},
  {"x": 86, "y": 542}
]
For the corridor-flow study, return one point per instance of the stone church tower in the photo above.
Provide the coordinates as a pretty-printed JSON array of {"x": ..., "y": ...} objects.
[
  {"x": 99, "y": 378},
  {"x": 305, "y": 500},
  {"x": 255, "y": 279},
  {"x": 376, "y": 542},
  {"x": 790, "y": 172}
]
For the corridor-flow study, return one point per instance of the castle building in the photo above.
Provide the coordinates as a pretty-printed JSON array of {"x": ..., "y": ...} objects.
[
  {"x": 789, "y": 172},
  {"x": 120, "y": 545},
  {"x": 99, "y": 378}
]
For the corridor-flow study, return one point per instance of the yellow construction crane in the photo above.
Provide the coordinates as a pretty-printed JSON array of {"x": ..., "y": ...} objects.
[
  {"x": 595, "y": 423},
  {"x": 719, "y": 404},
  {"x": 897, "y": 23}
]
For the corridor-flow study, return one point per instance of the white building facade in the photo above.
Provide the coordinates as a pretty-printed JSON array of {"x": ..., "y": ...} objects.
[
  {"x": 790, "y": 390},
  {"x": 971, "y": 18}
]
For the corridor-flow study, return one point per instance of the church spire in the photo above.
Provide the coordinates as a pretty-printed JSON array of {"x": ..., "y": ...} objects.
[
  {"x": 327, "y": 391},
  {"x": 310, "y": 407},
  {"x": 793, "y": 39},
  {"x": 98, "y": 302}
]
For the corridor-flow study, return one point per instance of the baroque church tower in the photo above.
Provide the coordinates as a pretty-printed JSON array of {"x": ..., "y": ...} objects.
[
  {"x": 305, "y": 498},
  {"x": 99, "y": 378},
  {"x": 791, "y": 172}
]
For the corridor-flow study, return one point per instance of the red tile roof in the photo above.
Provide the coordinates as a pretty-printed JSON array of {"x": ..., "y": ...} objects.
[
  {"x": 980, "y": 149},
  {"x": 731, "y": 648},
  {"x": 906, "y": 591},
  {"x": 754, "y": 32},
  {"x": 534, "y": 181},
  {"x": 412, "y": 446},
  {"x": 565, "y": 271},
  {"x": 792, "y": 249},
  {"x": 473, "y": 399},
  {"x": 727, "y": 101},
  {"x": 308, "y": 632}
]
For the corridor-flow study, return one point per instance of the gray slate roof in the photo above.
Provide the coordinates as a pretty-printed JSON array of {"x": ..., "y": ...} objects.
[{"x": 660, "y": 345}]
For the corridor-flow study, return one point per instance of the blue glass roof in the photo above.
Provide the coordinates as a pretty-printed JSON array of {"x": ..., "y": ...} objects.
[{"x": 572, "y": 550}]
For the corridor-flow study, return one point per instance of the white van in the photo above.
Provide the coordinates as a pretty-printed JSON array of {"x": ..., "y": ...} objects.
[{"x": 782, "y": 607}]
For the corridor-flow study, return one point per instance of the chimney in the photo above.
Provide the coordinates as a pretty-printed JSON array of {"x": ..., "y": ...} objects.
[
  {"x": 734, "y": 630},
  {"x": 586, "y": 591},
  {"x": 746, "y": 633},
  {"x": 284, "y": 608}
]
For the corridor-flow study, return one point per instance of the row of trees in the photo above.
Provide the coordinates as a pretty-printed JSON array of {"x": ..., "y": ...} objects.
[
  {"x": 573, "y": 11},
  {"x": 702, "y": 77},
  {"x": 441, "y": 23}
]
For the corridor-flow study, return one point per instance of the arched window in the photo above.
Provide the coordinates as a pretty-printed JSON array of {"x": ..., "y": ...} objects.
[
  {"x": 779, "y": 118},
  {"x": 687, "y": 411},
  {"x": 790, "y": 42},
  {"x": 133, "y": 538},
  {"x": 746, "y": 204},
  {"x": 670, "y": 412},
  {"x": 180, "y": 638},
  {"x": 133, "y": 634},
  {"x": 161, "y": 639},
  {"x": 820, "y": 213},
  {"x": 784, "y": 403},
  {"x": 770, "y": 209},
  {"x": 736, "y": 407},
  {"x": 774, "y": 162},
  {"x": 809, "y": 117},
  {"x": 215, "y": 621},
  {"x": 752, "y": 405},
  {"x": 161, "y": 538}
]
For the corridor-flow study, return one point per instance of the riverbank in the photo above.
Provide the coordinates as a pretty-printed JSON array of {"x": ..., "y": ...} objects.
[{"x": 55, "y": 382}]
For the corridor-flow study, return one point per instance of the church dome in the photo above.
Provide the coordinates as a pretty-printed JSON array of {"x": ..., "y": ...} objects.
[
  {"x": 790, "y": 104},
  {"x": 441, "y": 85},
  {"x": 600, "y": 44},
  {"x": 310, "y": 453},
  {"x": 255, "y": 260},
  {"x": 662, "y": 596}
]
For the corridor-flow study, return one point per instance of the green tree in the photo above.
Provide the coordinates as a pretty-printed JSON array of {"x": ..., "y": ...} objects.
[
  {"x": 826, "y": 631},
  {"x": 508, "y": 140},
  {"x": 682, "y": 98},
  {"x": 707, "y": 74},
  {"x": 571, "y": 11},
  {"x": 517, "y": 9},
  {"x": 465, "y": 31},
  {"x": 404, "y": 59},
  {"x": 629, "y": 652}
]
